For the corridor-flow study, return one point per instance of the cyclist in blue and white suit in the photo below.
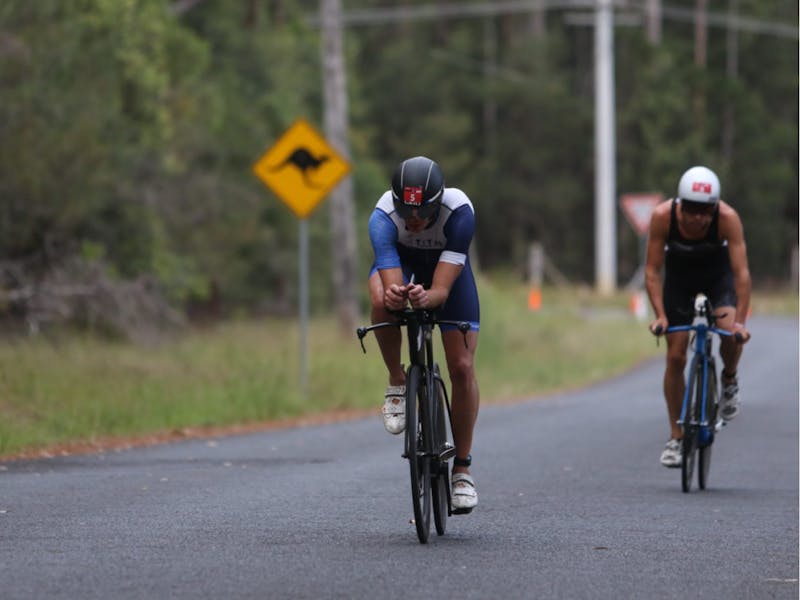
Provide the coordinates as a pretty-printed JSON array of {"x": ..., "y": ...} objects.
[{"x": 422, "y": 229}]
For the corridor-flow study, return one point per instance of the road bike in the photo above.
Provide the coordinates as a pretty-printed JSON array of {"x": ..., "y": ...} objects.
[
  {"x": 428, "y": 419},
  {"x": 699, "y": 417}
]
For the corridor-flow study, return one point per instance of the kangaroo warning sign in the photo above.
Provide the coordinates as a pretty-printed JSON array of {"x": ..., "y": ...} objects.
[
  {"x": 638, "y": 208},
  {"x": 301, "y": 168}
]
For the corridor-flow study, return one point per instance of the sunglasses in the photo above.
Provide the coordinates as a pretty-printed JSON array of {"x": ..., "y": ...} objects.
[
  {"x": 697, "y": 208},
  {"x": 427, "y": 211}
]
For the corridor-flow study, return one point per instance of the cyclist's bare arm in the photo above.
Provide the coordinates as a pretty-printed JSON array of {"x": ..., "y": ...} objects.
[
  {"x": 443, "y": 278},
  {"x": 656, "y": 240},
  {"x": 731, "y": 229},
  {"x": 395, "y": 291}
]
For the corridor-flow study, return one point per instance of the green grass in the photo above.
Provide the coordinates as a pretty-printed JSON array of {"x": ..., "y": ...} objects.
[{"x": 77, "y": 388}]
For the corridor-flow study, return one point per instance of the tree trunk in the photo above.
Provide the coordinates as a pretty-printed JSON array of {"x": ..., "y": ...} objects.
[
  {"x": 653, "y": 21},
  {"x": 490, "y": 78},
  {"x": 700, "y": 60},
  {"x": 700, "y": 33},
  {"x": 731, "y": 70},
  {"x": 342, "y": 213}
]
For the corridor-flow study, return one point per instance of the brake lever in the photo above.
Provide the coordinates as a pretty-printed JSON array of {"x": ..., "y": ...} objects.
[
  {"x": 361, "y": 332},
  {"x": 464, "y": 327}
]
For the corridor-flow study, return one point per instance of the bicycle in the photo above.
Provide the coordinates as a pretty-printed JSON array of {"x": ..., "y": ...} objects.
[
  {"x": 428, "y": 419},
  {"x": 698, "y": 418}
]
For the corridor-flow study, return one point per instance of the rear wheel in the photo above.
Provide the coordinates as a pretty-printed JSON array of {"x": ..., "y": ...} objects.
[
  {"x": 419, "y": 465},
  {"x": 441, "y": 479},
  {"x": 690, "y": 425}
]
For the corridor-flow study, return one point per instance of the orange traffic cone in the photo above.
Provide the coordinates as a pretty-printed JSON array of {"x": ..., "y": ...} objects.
[
  {"x": 637, "y": 305},
  {"x": 535, "y": 299}
]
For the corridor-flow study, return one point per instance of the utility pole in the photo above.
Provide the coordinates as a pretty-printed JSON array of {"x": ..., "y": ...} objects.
[
  {"x": 342, "y": 213},
  {"x": 605, "y": 241}
]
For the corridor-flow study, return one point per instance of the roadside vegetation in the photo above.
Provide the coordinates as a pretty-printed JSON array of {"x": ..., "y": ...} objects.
[{"x": 58, "y": 390}]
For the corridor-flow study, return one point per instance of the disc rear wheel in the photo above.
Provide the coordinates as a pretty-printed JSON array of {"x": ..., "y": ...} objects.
[{"x": 441, "y": 478}]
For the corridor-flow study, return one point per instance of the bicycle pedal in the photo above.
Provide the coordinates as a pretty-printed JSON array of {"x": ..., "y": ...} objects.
[
  {"x": 447, "y": 452},
  {"x": 461, "y": 511}
]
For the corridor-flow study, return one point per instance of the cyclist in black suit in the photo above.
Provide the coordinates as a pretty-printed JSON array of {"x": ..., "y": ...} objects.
[{"x": 699, "y": 241}]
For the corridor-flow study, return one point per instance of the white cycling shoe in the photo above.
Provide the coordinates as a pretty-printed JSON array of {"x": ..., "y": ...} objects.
[
  {"x": 394, "y": 409},
  {"x": 463, "y": 495},
  {"x": 729, "y": 403},
  {"x": 672, "y": 454}
]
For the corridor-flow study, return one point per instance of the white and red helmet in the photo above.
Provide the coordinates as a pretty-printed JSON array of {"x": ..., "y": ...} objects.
[{"x": 699, "y": 184}]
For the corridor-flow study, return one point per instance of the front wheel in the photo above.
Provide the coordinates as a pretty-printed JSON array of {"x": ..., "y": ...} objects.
[
  {"x": 691, "y": 422},
  {"x": 419, "y": 465},
  {"x": 688, "y": 457},
  {"x": 704, "y": 455}
]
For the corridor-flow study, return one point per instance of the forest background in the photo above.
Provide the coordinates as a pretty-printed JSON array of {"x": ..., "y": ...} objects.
[{"x": 129, "y": 129}]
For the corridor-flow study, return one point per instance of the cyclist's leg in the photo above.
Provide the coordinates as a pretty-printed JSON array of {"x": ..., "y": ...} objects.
[
  {"x": 465, "y": 400},
  {"x": 462, "y": 305},
  {"x": 723, "y": 298},
  {"x": 674, "y": 382},
  {"x": 729, "y": 349},
  {"x": 465, "y": 397},
  {"x": 389, "y": 338},
  {"x": 677, "y": 299},
  {"x": 389, "y": 342}
]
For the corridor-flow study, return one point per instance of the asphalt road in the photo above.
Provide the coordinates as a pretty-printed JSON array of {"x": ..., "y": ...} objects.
[{"x": 573, "y": 504}]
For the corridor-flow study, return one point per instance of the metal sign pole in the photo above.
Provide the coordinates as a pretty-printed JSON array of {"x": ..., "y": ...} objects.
[{"x": 303, "y": 235}]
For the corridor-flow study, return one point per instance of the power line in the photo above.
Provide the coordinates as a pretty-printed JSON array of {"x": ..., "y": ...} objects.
[
  {"x": 737, "y": 22},
  {"x": 431, "y": 12}
]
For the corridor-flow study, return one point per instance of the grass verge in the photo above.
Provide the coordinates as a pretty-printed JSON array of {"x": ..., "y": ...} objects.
[{"x": 63, "y": 390}]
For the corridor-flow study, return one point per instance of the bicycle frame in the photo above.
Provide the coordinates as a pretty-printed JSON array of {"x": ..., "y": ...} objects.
[
  {"x": 703, "y": 329},
  {"x": 419, "y": 325},
  {"x": 698, "y": 409}
]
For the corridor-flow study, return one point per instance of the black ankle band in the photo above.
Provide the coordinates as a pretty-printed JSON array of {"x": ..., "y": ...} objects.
[
  {"x": 462, "y": 462},
  {"x": 727, "y": 375}
]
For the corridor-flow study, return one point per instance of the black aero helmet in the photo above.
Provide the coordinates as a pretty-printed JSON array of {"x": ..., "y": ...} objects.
[{"x": 417, "y": 186}]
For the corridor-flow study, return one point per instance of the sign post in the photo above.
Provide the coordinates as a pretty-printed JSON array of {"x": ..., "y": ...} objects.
[{"x": 301, "y": 168}]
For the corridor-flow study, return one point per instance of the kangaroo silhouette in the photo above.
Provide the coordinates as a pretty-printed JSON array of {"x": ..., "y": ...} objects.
[{"x": 304, "y": 161}]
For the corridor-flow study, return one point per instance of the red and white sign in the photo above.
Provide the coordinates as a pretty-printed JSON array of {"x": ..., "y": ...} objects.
[{"x": 638, "y": 209}]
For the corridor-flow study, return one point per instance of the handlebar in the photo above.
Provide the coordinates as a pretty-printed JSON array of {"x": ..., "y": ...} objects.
[
  {"x": 703, "y": 309},
  {"x": 420, "y": 315},
  {"x": 722, "y": 332}
]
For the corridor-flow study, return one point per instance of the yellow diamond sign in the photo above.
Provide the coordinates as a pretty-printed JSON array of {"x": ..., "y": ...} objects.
[{"x": 301, "y": 168}]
